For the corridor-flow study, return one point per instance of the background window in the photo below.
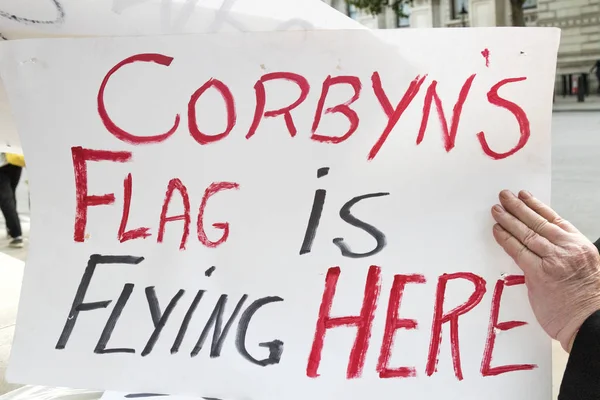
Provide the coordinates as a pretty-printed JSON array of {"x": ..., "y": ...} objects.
[
  {"x": 403, "y": 21},
  {"x": 352, "y": 11},
  {"x": 457, "y": 6},
  {"x": 530, "y": 4}
]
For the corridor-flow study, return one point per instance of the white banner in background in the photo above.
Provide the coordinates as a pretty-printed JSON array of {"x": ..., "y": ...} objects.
[
  {"x": 35, "y": 18},
  {"x": 75, "y": 18},
  {"x": 144, "y": 396}
]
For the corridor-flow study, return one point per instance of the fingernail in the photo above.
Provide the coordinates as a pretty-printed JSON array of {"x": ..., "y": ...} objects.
[
  {"x": 524, "y": 194},
  {"x": 497, "y": 209},
  {"x": 497, "y": 228},
  {"x": 506, "y": 194}
]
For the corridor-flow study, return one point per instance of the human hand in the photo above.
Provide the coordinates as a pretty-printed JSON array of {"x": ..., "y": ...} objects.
[{"x": 561, "y": 266}]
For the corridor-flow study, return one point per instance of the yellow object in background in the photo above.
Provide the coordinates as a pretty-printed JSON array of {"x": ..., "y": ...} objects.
[{"x": 15, "y": 159}]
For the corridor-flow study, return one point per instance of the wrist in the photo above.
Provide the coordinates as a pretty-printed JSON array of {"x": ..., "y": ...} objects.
[
  {"x": 570, "y": 345},
  {"x": 569, "y": 334}
]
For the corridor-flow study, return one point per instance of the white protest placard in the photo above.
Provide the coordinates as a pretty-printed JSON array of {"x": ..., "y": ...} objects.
[{"x": 281, "y": 215}]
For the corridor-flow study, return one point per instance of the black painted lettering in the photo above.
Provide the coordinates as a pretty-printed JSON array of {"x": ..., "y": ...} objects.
[
  {"x": 78, "y": 304},
  {"x": 60, "y": 16},
  {"x": 346, "y": 215},
  {"x": 315, "y": 215},
  {"x": 159, "y": 320},
  {"x": 186, "y": 322},
  {"x": 219, "y": 333},
  {"x": 153, "y": 305},
  {"x": 275, "y": 346},
  {"x": 112, "y": 322}
]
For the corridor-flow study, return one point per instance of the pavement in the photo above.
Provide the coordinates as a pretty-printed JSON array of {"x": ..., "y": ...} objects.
[
  {"x": 11, "y": 271},
  {"x": 570, "y": 104},
  {"x": 19, "y": 254},
  {"x": 24, "y": 215},
  {"x": 12, "y": 263},
  {"x": 575, "y": 194}
]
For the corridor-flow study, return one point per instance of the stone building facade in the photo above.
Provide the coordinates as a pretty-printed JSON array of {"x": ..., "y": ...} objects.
[
  {"x": 475, "y": 13},
  {"x": 443, "y": 13},
  {"x": 579, "y": 21}
]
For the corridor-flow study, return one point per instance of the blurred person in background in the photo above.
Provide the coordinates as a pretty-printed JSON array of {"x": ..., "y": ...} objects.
[
  {"x": 596, "y": 68},
  {"x": 11, "y": 166}
]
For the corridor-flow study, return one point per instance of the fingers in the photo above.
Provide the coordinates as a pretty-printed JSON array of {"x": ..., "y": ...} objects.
[
  {"x": 523, "y": 257},
  {"x": 522, "y": 233},
  {"x": 546, "y": 212},
  {"x": 530, "y": 218}
]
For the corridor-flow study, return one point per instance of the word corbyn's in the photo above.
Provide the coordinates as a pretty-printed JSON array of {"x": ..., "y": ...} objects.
[{"x": 393, "y": 113}]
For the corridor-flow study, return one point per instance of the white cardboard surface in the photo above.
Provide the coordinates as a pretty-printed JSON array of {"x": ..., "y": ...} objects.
[
  {"x": 143, "y": 396},
  {"x": 436, "y": 217},
  {"x": 11, "y": 271}
]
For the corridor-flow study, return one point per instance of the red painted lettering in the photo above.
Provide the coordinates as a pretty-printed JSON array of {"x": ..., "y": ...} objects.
[
  {"x": 363, "y": 323},
  {"x": 213, "y": 189},
  {"x": 392, "y": 323},
  {"x": 124, "y": 234},
  {"x": 486, "y": 369},
  {"x": 440, "y": 318},
  {"x": 224, "y": 91},
  {"x": 107, "y": 121},
  {"x": 486, "y": 54},
  {"x": 343, "y": 109},
  {"x": 448, "y": 134},
  {"x": 495, "y": 99},
  {"x": 83, "y": 200},
  {"x": 175, "y": 184},
  {"x": 259, "y": 112},
  {"x": 392, "y": 114}
]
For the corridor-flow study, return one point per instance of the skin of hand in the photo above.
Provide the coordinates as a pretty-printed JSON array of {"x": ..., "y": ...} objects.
[{"x": 561, "y": 266}]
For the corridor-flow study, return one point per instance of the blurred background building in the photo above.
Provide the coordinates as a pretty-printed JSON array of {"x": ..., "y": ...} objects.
[{"x": 579, "y": 21}]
